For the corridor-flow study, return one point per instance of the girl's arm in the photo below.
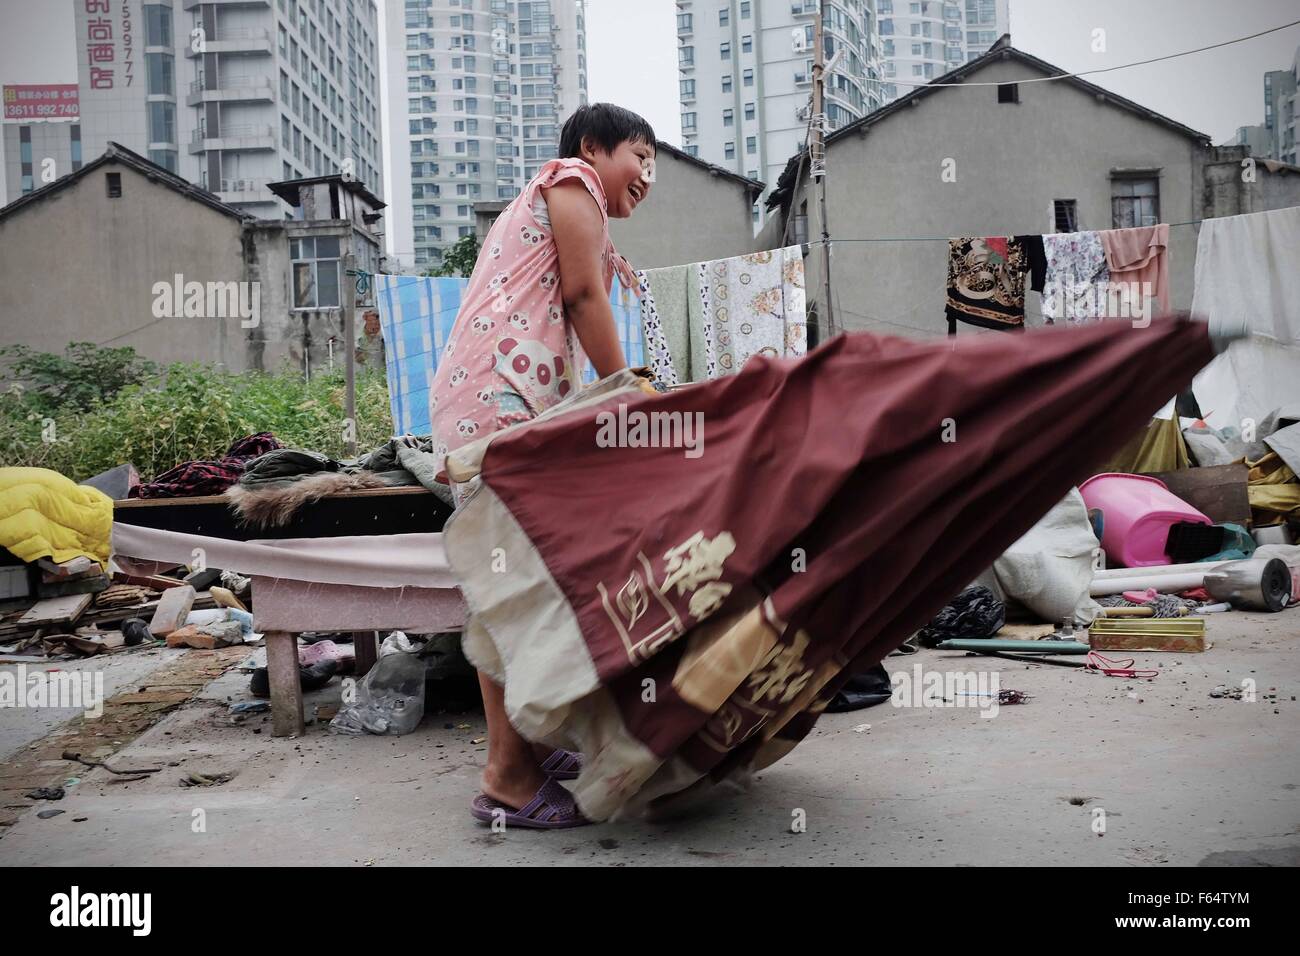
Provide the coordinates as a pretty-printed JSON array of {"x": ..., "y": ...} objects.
[{"x": 580, "y": 243}]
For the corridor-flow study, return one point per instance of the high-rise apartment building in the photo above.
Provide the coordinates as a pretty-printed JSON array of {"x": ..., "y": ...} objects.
[
  {"x": 36, "y": 153},
  {"x": 745, "y": 72},
  {"x": 1280, "y": 98},
  {"x": 924, "y": 39},
  {"x": 234, "y": 94},
  {"x": 477, "y": 92}
]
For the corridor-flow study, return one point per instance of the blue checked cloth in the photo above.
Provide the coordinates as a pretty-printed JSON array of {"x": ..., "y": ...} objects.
[{"x": 416, "y": 315}]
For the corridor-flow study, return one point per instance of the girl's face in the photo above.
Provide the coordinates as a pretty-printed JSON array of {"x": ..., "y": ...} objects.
[{"x": 627, "y": 174}]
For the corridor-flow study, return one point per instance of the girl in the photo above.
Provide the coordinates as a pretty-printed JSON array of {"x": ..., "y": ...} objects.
[{"x": 539, "y": 299}]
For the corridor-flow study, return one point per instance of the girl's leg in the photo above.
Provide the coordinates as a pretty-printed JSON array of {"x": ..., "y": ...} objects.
[{"x": 513, "y": 773}]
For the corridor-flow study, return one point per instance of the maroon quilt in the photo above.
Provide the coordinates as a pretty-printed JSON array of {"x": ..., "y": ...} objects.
[{"x": 685, "y": 613}]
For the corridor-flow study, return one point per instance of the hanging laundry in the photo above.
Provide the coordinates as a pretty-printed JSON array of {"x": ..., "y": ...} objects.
[
  {"x": 1139, "y": 259},
  {"x": 1074, "y": 289},
  {"x": 1246, "y": 273},
  {"x": 416, "y": 315},
  {"x": 659, "y": 355},
  {"x": 795, "y": 296},
  {"x": 1035, "y": 259},
  {"x": 665, "y": 322},
  {"x": 625, "y": 304},
  {"x": 986, "y": 283}
]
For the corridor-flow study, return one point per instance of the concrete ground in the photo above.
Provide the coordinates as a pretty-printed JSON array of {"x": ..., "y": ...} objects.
[{"x": 1181, "y": 778}]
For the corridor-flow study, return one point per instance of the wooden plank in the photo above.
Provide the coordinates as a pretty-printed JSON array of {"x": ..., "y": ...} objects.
[
  {"x": 286, "y": 685},
  {"x": 281, "y": 603},
  {"x": 1217, "y": 491},
  {"x": 60, "y": 610},
  {"x": 365, "y": 644}
]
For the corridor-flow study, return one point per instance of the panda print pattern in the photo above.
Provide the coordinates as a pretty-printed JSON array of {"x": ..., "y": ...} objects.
[{"x": 515, "y": 354}]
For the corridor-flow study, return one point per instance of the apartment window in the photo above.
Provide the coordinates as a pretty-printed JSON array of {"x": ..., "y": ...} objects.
[
  {"x": 157, "y": 25},
  {"x": 284, "y": 88},
  {"x": 113, "y": 185},
  {"x": 160, "y": 68},
  {"x": 916, "y": 49},
  {"x": 693, "y": 151},
  {"x": 297, "y": 143},
  {"x": 688, "y": 121},
  {"x": 749, "y": 111},
  {"x": 1134, "y": 201},
  {"x": 686, "y": 56},
  {"x": 729, "y": 151},
  {"x": 724, "y": 50},
  {"x": 747, "y": 78},
  {"x": 744, "y": 10},
  {"x": 285, "y": 128},
  {"x": 684, "y": 22},
  {"x": 751, "y": 144},
  {"x": 917, "y": 71},
  {"x": 724, "y": 17},
  {"x": 913, "y": 8},
  {"x": 162, "y": 122},
  {"x": 728, "y": 117},
  {"x": 688, "y": 89},
  {"x": 1009, "y": 93},
  {"x": 316, "y": 279},
  {"x": 726, "y": 83},
  {"x": 747, "y": 44},
  {"x": 1065, "y": 212}
]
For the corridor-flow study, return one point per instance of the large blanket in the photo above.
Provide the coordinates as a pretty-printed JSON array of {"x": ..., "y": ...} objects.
[{"x": 684, "y": 614}]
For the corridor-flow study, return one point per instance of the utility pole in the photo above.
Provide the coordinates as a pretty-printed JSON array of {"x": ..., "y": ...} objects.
[{"x": 817, "y": 161}]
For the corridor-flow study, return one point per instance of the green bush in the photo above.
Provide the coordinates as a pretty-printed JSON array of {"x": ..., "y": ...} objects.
[{"x": 184, "y": 413}]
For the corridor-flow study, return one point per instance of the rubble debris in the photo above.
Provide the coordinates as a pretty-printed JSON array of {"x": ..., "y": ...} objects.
[{"x": 173, "y": 607}]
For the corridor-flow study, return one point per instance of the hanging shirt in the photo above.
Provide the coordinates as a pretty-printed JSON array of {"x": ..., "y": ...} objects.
[
  {"x": 986, "y": 283},
  {"x": 1076, "y": 276},
  {"x": 512, "y": 353},
  {"x": 1138, "y": 256}
]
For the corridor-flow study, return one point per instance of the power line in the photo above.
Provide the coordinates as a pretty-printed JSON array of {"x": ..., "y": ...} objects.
[{"x": 1103, "y": 69}]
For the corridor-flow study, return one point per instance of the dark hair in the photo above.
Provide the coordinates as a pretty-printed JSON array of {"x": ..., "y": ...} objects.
[{"x": 607, "y": 125}]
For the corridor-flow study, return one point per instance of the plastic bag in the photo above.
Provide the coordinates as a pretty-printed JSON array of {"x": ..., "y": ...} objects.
[
  {"x": 975, "y": 613},
  {"x": 389, "y": 699}
]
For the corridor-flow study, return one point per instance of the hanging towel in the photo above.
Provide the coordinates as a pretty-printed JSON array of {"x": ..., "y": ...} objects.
[
  {"x": 665, "y": 321},
  {"x": 1138, "y": 256},
  {"x": 986, "y": 282},
  {"x": 416, "y": 314},
  {"x": 1076, "y": 276}
]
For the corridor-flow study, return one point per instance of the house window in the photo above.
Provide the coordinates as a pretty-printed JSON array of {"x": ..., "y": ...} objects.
[
  {"x": 1009, "y": 93},
  {"x": 1134, "y": 201},
  {"x": 316, "y": 277},
  {"x": 1065, "y": 213},
  {"x": 113, "y": 185}
]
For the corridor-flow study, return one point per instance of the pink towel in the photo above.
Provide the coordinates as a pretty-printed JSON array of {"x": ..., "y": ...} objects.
[{"x": 1140, "y": 255}]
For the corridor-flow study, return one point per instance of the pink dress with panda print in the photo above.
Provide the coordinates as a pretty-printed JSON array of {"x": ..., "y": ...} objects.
[{"x": 512, "y": 354}]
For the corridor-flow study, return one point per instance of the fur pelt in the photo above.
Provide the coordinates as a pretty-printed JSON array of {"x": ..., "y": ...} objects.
[{"x": 274, "y": 506}]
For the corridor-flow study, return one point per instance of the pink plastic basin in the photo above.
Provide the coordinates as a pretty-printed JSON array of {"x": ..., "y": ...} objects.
[{"x": 1138, "y": 511}]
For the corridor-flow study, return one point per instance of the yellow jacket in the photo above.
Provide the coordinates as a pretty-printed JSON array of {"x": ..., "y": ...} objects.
[{"x": 45, "y": 515}]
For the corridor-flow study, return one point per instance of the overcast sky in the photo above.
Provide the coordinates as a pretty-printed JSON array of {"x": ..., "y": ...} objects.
[{"x": 632, "y": 57}]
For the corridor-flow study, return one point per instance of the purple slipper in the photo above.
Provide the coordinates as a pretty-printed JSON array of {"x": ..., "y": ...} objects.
[
  {"x": 563, "y": 765},
  {"x": 553, "y": 808}
]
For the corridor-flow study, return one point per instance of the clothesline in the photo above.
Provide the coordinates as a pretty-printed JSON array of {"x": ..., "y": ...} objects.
[{"x": 835, "y": 239}]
